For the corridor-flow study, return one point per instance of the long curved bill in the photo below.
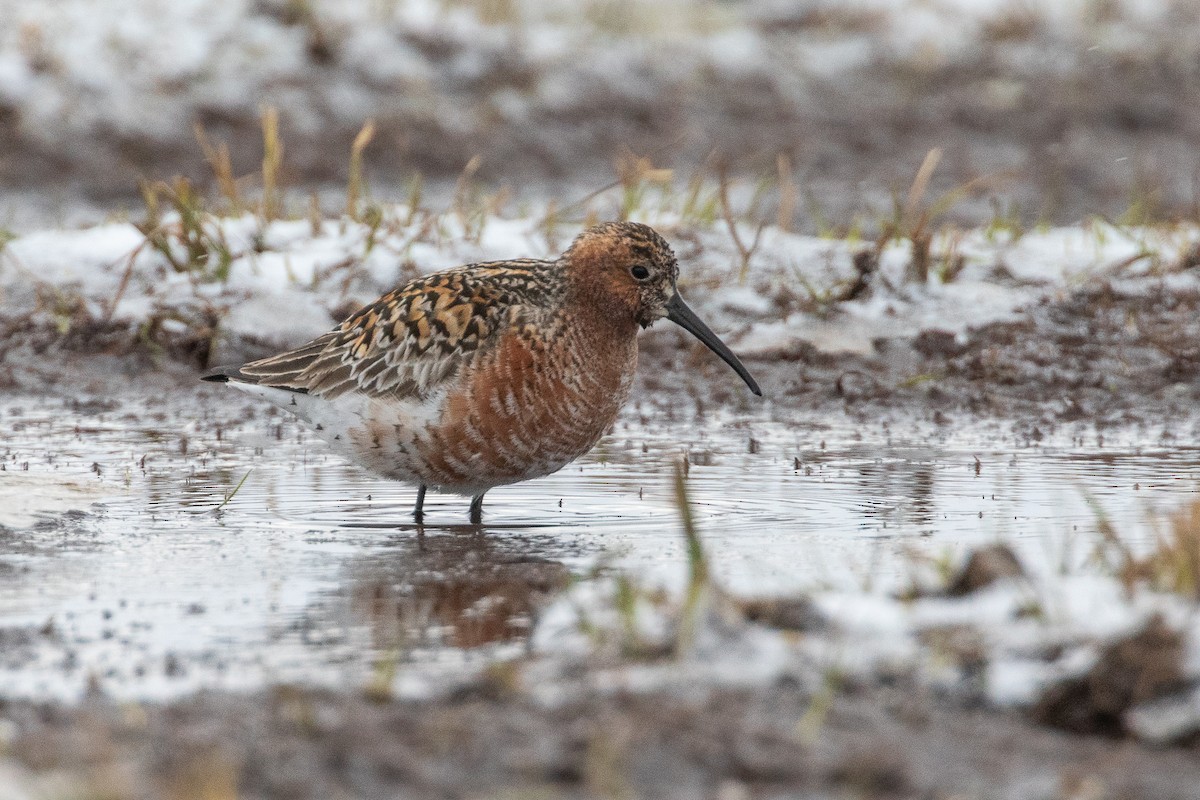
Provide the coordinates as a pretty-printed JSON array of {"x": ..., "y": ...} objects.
[{"x": 679, "y": 313}]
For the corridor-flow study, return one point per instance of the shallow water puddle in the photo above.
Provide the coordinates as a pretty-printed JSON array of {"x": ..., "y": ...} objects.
[{"x": 121, "y": 561}]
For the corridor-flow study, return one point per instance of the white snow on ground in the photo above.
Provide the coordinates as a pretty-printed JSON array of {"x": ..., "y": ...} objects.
[
  {"x": 282, "y": 284},
  {"x": 1005, "y": 644},
  {"x": 284, "y": 279}
]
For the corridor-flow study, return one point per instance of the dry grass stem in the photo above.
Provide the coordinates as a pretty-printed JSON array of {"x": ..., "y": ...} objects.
[
  {"x": 272, "y": 162},
  {"x": 354, "y": 185},
  {"x": 745, "y": 253},
  {"x": 787, "y": 193},
  {"x": 221, "y": 164}
]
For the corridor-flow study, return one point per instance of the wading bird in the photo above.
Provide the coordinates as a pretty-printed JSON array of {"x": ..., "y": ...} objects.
[{"x": 487, "y": 374}]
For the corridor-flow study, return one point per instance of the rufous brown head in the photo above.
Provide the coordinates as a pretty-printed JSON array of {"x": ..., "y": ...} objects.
[{"x": 627, "y": 270}]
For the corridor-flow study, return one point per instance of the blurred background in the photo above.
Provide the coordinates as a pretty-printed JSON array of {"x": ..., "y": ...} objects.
[{"x": 1045, "y": 112}]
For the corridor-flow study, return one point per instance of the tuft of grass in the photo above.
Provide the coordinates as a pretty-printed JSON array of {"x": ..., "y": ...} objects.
[
  {"x": 192, "y": 338},
  {"x": 315, "y": 218},
  {"x": 914, "y": 220},
  {"x": 929, "y": 572},
  {"x": 1172, "y": 564},
  {"x": 1006, "y": 220},
  {"x": 65, "y": 307},
  {"x": 1138, "y": 233},
  {"x": 631, "y": 599},
  {"x": 745, "y": 251},
  {"x": 952, "y": 262},
  {"x": 626, "y": 600},
  {"x": 1146, "y": 204},
  {"x": 644, "y": 190},
  {"x": 701, "y": 203},
  {"x": 470, "y": 204},
  {"x": 221, "y": 164},
  {"x": 188, "y": 236},
  {"x": 636, "y": 175},
  {"x": 373, "y": 218},
  {"x": 549, "y": 224},
  {"x": 413, "y": 200},
  {"x": 185, "y": 226}
]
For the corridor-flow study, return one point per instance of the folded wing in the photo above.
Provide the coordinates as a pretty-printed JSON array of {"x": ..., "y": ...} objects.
[{"x": 405, "y": 344}]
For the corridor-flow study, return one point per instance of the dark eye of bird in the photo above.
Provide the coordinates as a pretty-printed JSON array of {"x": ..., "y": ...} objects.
[{"x": 639, "y": 272}]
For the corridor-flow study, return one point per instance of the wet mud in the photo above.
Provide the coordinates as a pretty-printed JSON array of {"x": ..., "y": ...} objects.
[
  {"x": 252, "y": 643},
  {"x": 1133, "y": 670},
  {"x": 1100, "y": 355},
  {"x": 489, "y": 741}
]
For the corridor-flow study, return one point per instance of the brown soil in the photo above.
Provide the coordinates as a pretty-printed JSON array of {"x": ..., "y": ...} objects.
[
  {"x": 492, "y": 741},
  {"x": 1098, "y": 355},
  {"x": 1138, "y": 668}
]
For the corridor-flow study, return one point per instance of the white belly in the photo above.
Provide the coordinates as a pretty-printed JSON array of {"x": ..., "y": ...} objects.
[{"x": 381, "y": 435}]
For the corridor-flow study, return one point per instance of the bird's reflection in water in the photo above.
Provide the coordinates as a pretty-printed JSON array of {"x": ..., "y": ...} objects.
[{"x": 461, "y": 586}]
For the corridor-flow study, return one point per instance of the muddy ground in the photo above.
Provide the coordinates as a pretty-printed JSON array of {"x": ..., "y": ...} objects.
[
  {"x": 1098, "y": 354},
  {"x": 490, "y": 742}
]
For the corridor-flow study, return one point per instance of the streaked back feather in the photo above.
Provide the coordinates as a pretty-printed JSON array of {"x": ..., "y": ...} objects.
[{"x": 415, "y": 338}]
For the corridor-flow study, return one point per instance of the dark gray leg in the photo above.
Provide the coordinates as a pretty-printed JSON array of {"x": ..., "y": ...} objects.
[
  {"x": 419, "y": 508},
  {"x": 477, "y": 508}
]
